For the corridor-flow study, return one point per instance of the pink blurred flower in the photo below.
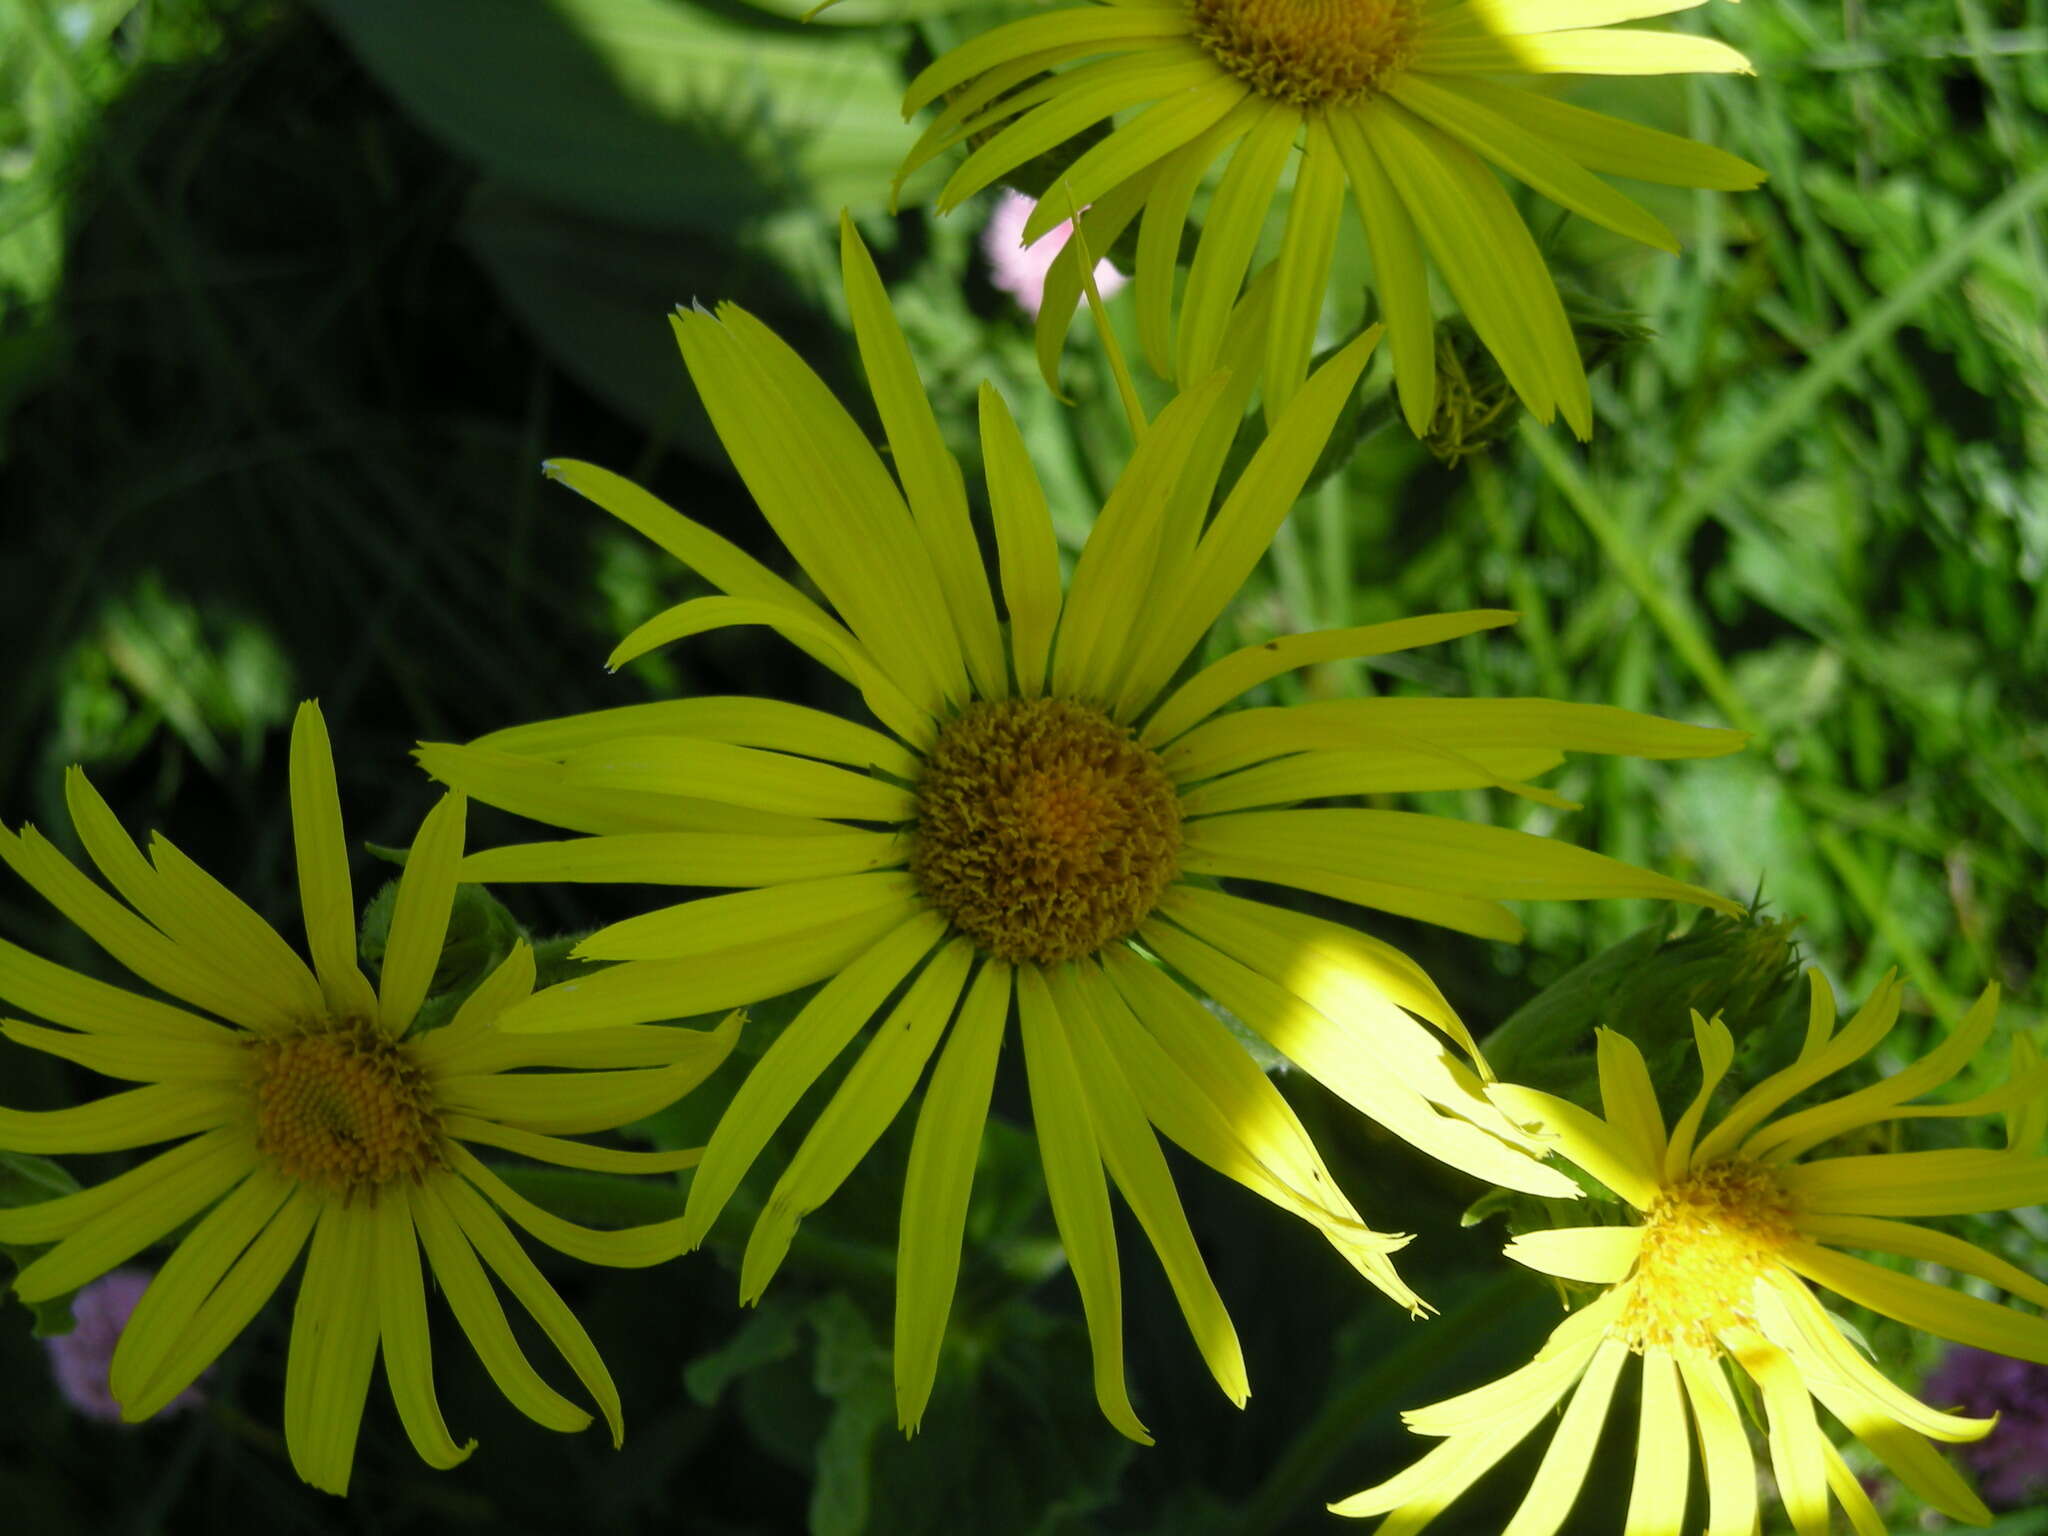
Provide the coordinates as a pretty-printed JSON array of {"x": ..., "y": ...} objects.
[
  {"x": 1019, "y": 269},
  {"x": 80, "y": 1359}
]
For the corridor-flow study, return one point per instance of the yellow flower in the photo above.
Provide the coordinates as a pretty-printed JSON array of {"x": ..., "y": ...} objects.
[
  {"x": 313, "y": 1115},
  {"x": 1728, "y": 1226},
  {"x": 1044, "y": 818},
  {"x": 1404, "y": 101}
]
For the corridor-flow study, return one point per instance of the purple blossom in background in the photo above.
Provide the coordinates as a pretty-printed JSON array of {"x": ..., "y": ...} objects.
[
  {"x": 80, "y": 1359},
  {"x": 1019, "y": 269},
  {"x": 2011, "y": 1462}
]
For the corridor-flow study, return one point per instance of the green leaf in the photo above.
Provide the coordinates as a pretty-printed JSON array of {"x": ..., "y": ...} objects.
[
  {"x": 660, "y": 115},
  {"x": 26, "y": 1180}
]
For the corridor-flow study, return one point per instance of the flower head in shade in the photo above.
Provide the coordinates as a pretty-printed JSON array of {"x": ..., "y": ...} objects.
[
  {"x": 1039, "y": 822},
  {"x": 1019, "y": 269},
  {"x": 1730, "y": 1229},
  {"x": 81, "y": 1359},
  {"x": 2011, "y": 1462},
  {"x": 1409, "y": 105},
  {"x": 309, "y": 1118}
]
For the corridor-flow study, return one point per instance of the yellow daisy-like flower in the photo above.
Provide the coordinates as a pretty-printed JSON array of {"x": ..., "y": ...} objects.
[
  {"x": 1404, "y": 101},
  {"x": 1729, "y": 1226},
  {"x": 305, "y": 1113},
  {"x": 1043, "y": 819}
]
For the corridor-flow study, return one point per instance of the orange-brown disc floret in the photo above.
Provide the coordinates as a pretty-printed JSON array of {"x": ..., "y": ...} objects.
[
  {"x": 1044, "y": 831},
  {"x": 340, "y": 1104},
  {"x": 1313, "y": 53}
]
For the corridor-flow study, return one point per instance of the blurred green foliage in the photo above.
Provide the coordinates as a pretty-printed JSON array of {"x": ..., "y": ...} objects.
[{"x": 292, "y": 303}]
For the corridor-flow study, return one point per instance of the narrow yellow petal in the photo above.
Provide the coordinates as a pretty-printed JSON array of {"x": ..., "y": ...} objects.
[
  {"x": 810, "y": 1044},
  {"x": 1241, "y": 671},
  {"x": 419, "y": 920},
  {"x": 162, "y": 1320},
  {"x": 227, "y": 1310},
  {"x": 1237, "y": 215},
  {"x": 1460, "y": 858},
  {"x": 1512, "y": 18},
  {"x": 475, "y": 1304},
  {"x": 1079, "y": 1194},
  {"x": 880, "y": 682},
  {"x": 48, "y": 1220},
  {"x": 1098, "y": 229},
  {"x": 1349, "y": 1059},
  {"x": 1794, "y": 1134},
  {"x": 1798, "y": 1457},
  {"x": 1609, "y": 145},
  {"x": 865, "y": 1103},
  {"x": 1924, "y": 1471},
  {"x": 1244, "y": 526},
  {"x": 1116, "y": 567},
  {"x": 508, "y": 1261},
  {"x": 402, "y": 1322},
  {"x": 1959, "y": 1181},
  {"x": 1465, "y": 914},
  {"x": 325, "y": 894},
  {"x": 1921, "y": 1304},
  {"x": 677, "y": 989},
  {"x": 624, "y": 1045},
  {"x": 1487, "y": 256},
  {"x": 718, "y": 560},
  {"x": 1562, "y": 1471},
  {"x": 1596, "y": 1255},
  {"x": 818, "y": 481},
  {"x": 1400, "y": 276},
  {"x": 565, "y": 1153},
  {"x": 931, "y": 478},
  {"x": 1628, "y": 1098},
  {"x": 79, "y": 1002},
  {"x": 626, "y": 1248},
  {"x": 1663, "y": 1469},
  {"x": 937, "y": 1183},
  {"x": 1588, "y": 51},
  {"x": 1302, "y": 271},
  {"x": 538, "y": 788},
  {"x": 1716, "y": 1049},
  {"x": 746, "y": 776},
  {"x": 739, "y": 719},
  {"x": 139, "y": 1059},
  {"x": 1529, "y": 159},
  {"x": 122, "y": 1231},
  {"x": 690, "y": 858},
  {"x": 1026, "y": 553},
  {"x": 1160, "y": 71},
  {"x": 135, "y": 943},
  {"x": 1724, "y": 1447},
  {"x": 1847, "y": 1488},
  {"x": 137, "y": 1118},
  {"x": 1130, "y": 1150},
  {"x": 1605, "y": 1153},
  {"x": 1167, "y": 204},
  {"x": 334, "y": 1345},
  {"x": 567, "y": 1105},
  {"x": 1107, "y": 25}
]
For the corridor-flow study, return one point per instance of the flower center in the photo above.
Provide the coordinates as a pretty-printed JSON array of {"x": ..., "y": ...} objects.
[
  {"x": 1314, "y": 53},
  {"x": 1044, "y": 831},
  {"x": 1705, "y": 1243},
  {"x": 342, "y": 1105}
]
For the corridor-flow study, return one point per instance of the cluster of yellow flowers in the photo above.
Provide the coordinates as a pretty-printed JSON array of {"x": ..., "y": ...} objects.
[{"x": 1037, "y": 826}]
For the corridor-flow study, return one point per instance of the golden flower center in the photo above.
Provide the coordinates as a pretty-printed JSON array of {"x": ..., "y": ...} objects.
[
  {"x": 1313, "y": 53},
  {"x": 1706, "y": 1242},
  {"x": 342, "y": 1105},
  {"x": 1044, "y": 831}
]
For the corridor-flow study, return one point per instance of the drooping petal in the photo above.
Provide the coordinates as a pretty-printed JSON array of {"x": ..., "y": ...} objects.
[
  {"x": 334, "y": 1345},
  {"x": 937, "y": 1183},
  {"x": 1079, "y": 1194},
  {"x": 402, "y": 1321}
]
